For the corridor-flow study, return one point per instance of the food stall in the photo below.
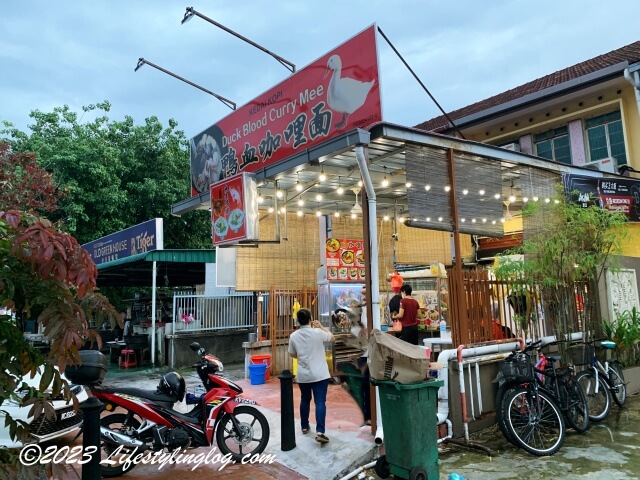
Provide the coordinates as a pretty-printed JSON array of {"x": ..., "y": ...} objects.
[{"x": 340, "y": 287}]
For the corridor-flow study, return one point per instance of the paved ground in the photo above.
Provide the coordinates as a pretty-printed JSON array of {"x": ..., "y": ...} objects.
[{"x": 609, "y": 450}]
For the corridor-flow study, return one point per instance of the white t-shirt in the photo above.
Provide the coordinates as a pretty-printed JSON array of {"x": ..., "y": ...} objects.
[{"x": 308, "y": 344}]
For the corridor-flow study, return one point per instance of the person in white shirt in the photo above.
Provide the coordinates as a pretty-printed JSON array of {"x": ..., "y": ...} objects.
[{"x": 307, "y": 346}]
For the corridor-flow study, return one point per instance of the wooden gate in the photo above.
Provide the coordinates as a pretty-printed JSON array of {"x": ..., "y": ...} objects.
[{"x": 282, "y": 324}]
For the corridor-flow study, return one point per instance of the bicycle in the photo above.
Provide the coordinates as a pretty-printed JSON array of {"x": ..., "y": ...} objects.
[
  {"x": 527, "y": 412},
  {"x": 601, "y": 383}
]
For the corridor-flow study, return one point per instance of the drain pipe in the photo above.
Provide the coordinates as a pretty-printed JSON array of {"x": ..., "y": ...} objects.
[
  {"x": 358, "y": 470},
  {"x": 375, "y": 282},
  {"x": 634, "y": 80}
]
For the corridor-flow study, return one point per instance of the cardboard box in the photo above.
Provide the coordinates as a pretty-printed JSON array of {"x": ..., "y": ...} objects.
[{"x": 393, "y": 359}]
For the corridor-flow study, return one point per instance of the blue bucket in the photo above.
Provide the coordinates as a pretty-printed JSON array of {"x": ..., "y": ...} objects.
[{"x": 257, "y": 373}]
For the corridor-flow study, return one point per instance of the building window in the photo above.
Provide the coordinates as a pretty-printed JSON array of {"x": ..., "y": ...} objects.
[
  {"x": 605, "y": 137},
  {"x": 554, "y": 145}
]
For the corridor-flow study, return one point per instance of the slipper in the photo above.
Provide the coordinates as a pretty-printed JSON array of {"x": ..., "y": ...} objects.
[
  {"x": 322, "y": 438},
  {"x": 305, "y": 430}
]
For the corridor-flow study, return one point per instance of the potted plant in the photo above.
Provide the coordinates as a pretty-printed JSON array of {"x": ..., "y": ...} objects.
[{"x": 624, "y": 330}]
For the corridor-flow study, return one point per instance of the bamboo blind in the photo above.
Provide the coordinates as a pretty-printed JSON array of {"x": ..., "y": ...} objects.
[{"x": 293, "y": 263}]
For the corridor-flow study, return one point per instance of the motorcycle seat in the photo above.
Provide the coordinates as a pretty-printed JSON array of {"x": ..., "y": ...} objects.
[{"x": 153, "y": 395}]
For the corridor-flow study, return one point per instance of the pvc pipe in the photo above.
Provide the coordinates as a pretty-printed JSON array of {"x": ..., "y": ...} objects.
[
  {"x": 357, "y": 471},
  {"x": 473, "y": 413},
  {"x": 153, "y": 315},
  {"x": 449, "y": 430},
  {"x": 479, "y": 388},
  {"x": 635, "y": 82}
]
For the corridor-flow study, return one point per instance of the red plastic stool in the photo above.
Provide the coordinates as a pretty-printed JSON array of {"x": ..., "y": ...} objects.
[{"x": 128, "y": 359}]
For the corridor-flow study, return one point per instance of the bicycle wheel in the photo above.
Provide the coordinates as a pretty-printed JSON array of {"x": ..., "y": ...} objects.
[
  {"x": 618, "y": 385},
  {"x": 503, "y": 392},
  {"x": 577, "y": 408},
  {"x": 598, "y": 396},
  {"x": 535, "y": 421}
]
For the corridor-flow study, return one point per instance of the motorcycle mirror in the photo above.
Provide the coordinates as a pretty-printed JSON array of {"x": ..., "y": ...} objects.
[
  {"x": 201, "y": 351},
  {"x": 195, "y": 346}
]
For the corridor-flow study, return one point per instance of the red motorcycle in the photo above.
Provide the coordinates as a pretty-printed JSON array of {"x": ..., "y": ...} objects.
[{"x": 151, "y": 424}]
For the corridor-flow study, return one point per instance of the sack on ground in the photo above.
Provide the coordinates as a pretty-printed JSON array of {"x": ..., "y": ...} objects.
[{"x": 393, "y": 359}]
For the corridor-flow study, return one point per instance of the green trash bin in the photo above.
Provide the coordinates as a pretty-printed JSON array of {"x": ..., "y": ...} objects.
[{"x": 410, "y": 425}]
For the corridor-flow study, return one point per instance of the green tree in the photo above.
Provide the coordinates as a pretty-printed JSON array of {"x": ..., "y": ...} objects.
[
  {"x": 115, "y": 174},
  {"x": 44, "y": 274},
  {"x": 564, "y": 244}
]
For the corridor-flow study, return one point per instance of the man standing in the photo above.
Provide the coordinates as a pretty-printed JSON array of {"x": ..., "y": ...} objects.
[
  {"x": 307, "y": 346},
  {"x": 408, "y": 315}
]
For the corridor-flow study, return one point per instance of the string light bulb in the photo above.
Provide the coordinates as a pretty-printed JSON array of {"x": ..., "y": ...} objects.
[
  {"x": 385, "y": 218},
  {"x": 279, "y": 193},
  {"x": 298, "y": 184},
  {"x": 340, "y": 190},
  {"x": 322, "y": 177},
  {"x": 465, "y": 191},
  {"x": 481, "y": 191},
  {"x": 336, "y": 214},
  {"x": 447, "y": 188},
  {"x": 271, "y": 210},
  {"x": 427, "y": 187},
  {"x": 353, "y": 215},
  {"x": 318, "y": 197},
  {"x": 300, "y": 213},
  {"x": 318, "y": 214},
  {"x": 300, "y": 202},
  {"x": 408, "y": 184}
]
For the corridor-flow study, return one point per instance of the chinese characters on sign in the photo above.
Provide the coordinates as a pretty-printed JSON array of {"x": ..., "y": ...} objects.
[
  {"x": 614, "y": 195},
  {"x": 234, "y": 215},
  {"x": 338, "y": 92},
  {"x": 345, "y": 259}
]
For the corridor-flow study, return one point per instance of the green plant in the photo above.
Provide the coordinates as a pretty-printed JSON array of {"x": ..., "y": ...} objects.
[{"x": 625, "y": 332}]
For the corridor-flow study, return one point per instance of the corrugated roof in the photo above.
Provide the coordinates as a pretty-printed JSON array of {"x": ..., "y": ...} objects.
[
  {"x": 177, "y": 256},
  {"x": 629, "y": 53}
]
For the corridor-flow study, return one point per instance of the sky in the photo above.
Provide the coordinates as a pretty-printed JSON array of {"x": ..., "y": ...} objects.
[{"x": 80, "y": 53}]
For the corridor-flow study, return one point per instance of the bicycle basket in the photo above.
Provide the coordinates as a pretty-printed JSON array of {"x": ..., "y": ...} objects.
[
  {"x": 581, "y": 354},
  {"x": 516, "y": 368}
]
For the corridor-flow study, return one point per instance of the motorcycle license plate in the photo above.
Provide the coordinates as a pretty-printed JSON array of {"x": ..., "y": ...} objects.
[{"x": 246, "y": 401}]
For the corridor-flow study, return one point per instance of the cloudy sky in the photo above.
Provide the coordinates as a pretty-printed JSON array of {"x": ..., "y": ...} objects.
[{"x": 79, "y": 53}]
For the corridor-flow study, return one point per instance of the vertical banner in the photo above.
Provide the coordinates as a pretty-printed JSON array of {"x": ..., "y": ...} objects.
[
  {"x": 337, "y": 93},
  {"x": 234, "y": 210}
]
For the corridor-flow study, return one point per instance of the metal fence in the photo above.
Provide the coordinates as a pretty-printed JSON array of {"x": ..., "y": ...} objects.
[{"x": 203, "y": 313}]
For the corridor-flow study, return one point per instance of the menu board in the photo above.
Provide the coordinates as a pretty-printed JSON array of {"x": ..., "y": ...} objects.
[
  {"x": 612, "y": 194},
  {"x": 234, "y": 215},
  {"x": 345, "y": 259}
]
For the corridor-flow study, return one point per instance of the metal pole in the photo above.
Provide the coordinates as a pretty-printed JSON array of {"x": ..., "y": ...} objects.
[
  {"x": 91, "y": 437},
  {"x": 287, "y": 424},
  {"x": 153, "y": 314}
]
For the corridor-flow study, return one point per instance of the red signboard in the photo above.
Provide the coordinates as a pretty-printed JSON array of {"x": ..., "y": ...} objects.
[
  {"x": 345, "y": 259},
  {"x": 233, "y": 212},
  {"x": 338, "y": 92}
]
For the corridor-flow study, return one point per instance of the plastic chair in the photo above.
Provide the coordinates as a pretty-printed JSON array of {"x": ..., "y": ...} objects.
[{"x": 128, "y": 358}]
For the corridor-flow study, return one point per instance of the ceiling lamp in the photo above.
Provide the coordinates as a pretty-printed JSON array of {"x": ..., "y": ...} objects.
[
  {"x": 465, "y": 191},
  {"x": 298, "y": 184},
  {"x": 385, "y": 181},
  {"x": 508, "y": 214},
  {"x": 336, "y": 214},
  {"x": 318, "y": 197},
  {"x": 300, "y": 202},
  {"x": 447, "y": 188},
  {"x": 385, "y": 218},
  {"x": 427, "y": 187},
  {"x": 408, "y": 184},
  {"x": 322, "y": 177},
  {"x": 512, "y": 197},
  {"x": 300, "y": 213},
  {"x": 260, "y": 198},
  {"x": 279, "y": 193},
  {"x": 481, "y": 191},
  {"x": 340, "y": 190}
]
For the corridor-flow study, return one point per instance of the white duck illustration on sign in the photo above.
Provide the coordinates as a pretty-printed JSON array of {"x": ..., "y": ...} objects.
[{"x": 345, "y": 95}]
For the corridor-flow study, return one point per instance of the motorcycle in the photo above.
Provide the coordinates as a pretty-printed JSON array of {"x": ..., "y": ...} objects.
[{"x": 151, "y": 424}]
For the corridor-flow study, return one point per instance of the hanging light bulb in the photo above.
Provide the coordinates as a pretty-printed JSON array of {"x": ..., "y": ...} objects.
[
  {"x": 447, "y": 188},
  {"x": 512, "y": 198},
  {"x": 260, "y": 198},
  {"x": 481, "y": 191},
  {"x": 283, "y": 210},
  {"x": 439, "y": 219},
  {"x": 463, "y": 220},
  {"x": 465, "y": 191},
  {"x": 340, "y": 190},
  {"x": 473, "y": 220},
  {"x": 547, "y": 200},
  {"x": 300, "y": 202},
  {"x": 271, "y": 210},
  {"x": 318, "y": 198},
  {"x": 279, "y": 193},
  {"x": 360, "y": 183},
  {"x": 556, "y": 201},
  {"x": 318, "y": 214},
  {"x": 535, "y": 199},
  {"x": 414, "y": 219},
  {"x": 493, "y": 222},
  {"x": 408, "y": 184},
  {"x": 298, "y": 184},
  {"x": 525, "y": 199},
  {"x": 385, "y": 181},
  {"x": 322, "y": 176},
  {"x": 385, "y": 218},
  {"x": 300, "y": 213},
  {"x": 401, "y": 219},
  {"x": 353, "y": 215},
  {"x": 427, "y": 187},
  {"x": 336, "y": 214},
  {"x": 428, "y": 219},
  {"x": 502, "y": 220},
  {"x": 484, "y": 220},
  {"x": 497, "y": 196}
]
